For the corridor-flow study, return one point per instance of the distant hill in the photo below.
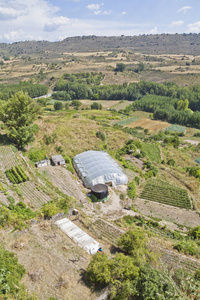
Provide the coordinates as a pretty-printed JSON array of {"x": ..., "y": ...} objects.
[{"x": 149, "y": 44}]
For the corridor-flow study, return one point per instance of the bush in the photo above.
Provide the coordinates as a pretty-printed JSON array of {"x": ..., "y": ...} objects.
[
  {"x": 58, "y": 105},
  {"x": 131, "y": 192},
  {"x": 96, "y": 105},
  {"x": 11, "y": 273},
  {"x": 35, "y": 129},
  {"x": 195, "y": 233},
  {"x": 171, "y": 162},
  {"x": 101, "y": 135},
  {"x": 36, "y": 155}
]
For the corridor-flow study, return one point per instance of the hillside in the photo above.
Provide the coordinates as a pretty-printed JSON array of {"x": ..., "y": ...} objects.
[
  {"x": 138, "y": 100},
  {"x": 187, "y": 44}
]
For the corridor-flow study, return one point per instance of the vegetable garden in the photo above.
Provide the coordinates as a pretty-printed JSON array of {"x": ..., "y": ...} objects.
[
  {"x": 162, "y": 192},
  {"x": 127, "y": 121},
  {"x": 33, "y": 194},
  {"x": 7, "y": 157},
  {"x": 16, "y": 175},
  {"x": 107, "y": 231},
  {"x": 176, "y": 128}
]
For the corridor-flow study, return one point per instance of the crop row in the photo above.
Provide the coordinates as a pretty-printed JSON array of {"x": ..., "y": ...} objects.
[
  {"x": 16, "y": 175},
  {"x": 107, "y": 231},
  {"x": 176, "y": 261},
  {"x": 31, "y": 193},
  {"x": 7, "y": 157},
  {"x": 3, "y": 199},
  {"x": 175, "y": 128},
  {"x": 156, "y": 190},
  {"x": 127, "y": 121}
]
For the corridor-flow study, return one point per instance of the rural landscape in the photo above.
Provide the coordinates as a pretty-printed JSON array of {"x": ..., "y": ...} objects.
[{"x": 136, "y": 100}]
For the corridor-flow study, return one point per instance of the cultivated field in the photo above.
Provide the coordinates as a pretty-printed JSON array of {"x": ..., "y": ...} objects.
[
  {"x": 152, "y": 125},
  {"x": 159, "y": 191}
]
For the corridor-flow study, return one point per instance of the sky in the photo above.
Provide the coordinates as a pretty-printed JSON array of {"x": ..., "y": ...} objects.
[{"x": 54, "y": 20}]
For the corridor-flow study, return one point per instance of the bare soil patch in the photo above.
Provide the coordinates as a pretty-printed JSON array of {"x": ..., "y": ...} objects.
[
  {"x": 172, "y": 214},
  {"x": 54, "y": 264},
  {"x": 193, "y": 142},
  {"x": 149, "y": 124},
  {"x": 105, "y": 104}
]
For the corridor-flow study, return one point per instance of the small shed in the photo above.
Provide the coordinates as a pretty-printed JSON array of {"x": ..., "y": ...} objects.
[
  {"x": 99, "y": 192},
  {"x": 57, "y": 160},
  {"x": 42, "y": 163}
]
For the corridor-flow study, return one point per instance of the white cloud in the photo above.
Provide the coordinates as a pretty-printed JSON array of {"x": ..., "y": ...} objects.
[
  {"x": 106, "y": 12},
  {"x": 184, "y": 9},
  {"x": 124, "y": 13},
  {"x": 97, "y": 12},
  {"x": 195, "y": 27},
  {"x": 54, "y": 23},
  {"x": 154, "y": 30},
  {"x": 95, "y": 7},
  {"x": 7, "y": 13},
  {"x": 176, "y": 23}
]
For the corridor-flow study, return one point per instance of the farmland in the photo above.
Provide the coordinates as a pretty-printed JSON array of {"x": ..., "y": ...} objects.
[
  {"x": 151, "y": 125},
  {"x": 159, "y": 191},
  {"x": 176, "y": 128},
  {"x": 153, "y": 154}
]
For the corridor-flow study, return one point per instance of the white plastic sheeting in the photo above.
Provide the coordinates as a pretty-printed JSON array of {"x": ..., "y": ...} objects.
[
  {"x": 95, "y": 167},
  {"x": 78, "y": 236}
]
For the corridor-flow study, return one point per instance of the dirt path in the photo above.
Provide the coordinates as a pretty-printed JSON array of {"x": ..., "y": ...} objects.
[{"x": 113, "y": 205}]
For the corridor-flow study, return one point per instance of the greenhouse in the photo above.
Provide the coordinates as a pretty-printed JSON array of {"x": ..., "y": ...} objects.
[{"x": 94, "y": 167}]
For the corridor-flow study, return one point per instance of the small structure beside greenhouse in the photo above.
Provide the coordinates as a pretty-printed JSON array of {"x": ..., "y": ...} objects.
[
  {"x": 42, "y": 163},
  {"x": 57, "y": 160},
  {"x": 97, "y": 167},
  {"x": 99, "y": 192}
]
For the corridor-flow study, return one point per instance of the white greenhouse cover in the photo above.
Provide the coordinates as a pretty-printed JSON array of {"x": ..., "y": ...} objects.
[
  {"x": 96, "y": 167},
  {"x": 78, "y": 236}
]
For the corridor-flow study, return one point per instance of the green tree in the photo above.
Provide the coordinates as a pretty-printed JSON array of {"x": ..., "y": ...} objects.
[
  {"x": 18, "y": 113},
  {"x": 131, "y": 191},
  {"x": 58, "y": 105},
  {"x": 134, "y": 243},
  {"x": 76, "y": 103},
  {"x": 120, "y": 67}
]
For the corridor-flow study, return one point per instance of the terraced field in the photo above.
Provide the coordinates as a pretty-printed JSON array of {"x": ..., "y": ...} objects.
[
  {"x": 7, "y": 158},
  {"x": 159, "y": 191},
  {"x": 63, "y": 179},
  {"x": 127, "y": 121},
  {"x": 32, "y": 195},
  {"x": 176, "y": 261},
  {"x": 3, "y": 199},
  {"x": 107, "y": 231}
]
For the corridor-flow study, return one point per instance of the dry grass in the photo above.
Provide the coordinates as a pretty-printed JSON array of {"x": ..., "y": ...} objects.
[
  {"x": 149, "y": 124},
  {"x": 53, "y": 263},
  {"x": 77, "y": 134}
]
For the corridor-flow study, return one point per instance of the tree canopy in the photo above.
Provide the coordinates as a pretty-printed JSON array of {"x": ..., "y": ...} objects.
[{"x": 18, "y": 113}]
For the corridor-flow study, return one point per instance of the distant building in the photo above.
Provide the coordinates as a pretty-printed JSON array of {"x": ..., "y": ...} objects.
[
  {"x": 57, "y": 160},
  {"x": 42, "y": 163}
]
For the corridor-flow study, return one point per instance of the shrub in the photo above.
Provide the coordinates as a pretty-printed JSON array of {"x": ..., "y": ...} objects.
[
  {"x": 36, "y": 155},
  {"x": 11, "y": 273},
  {"x": 171, "y": 162},
  {"x": 58, "y": 105},
  {"x": 101, "y": 135},
  {"x": 131, "y": 192},
  {"x": 35, "y": 128}
]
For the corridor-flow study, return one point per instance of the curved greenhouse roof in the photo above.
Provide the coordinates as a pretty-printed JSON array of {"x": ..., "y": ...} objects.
[{"x": 95, "y": 167}]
